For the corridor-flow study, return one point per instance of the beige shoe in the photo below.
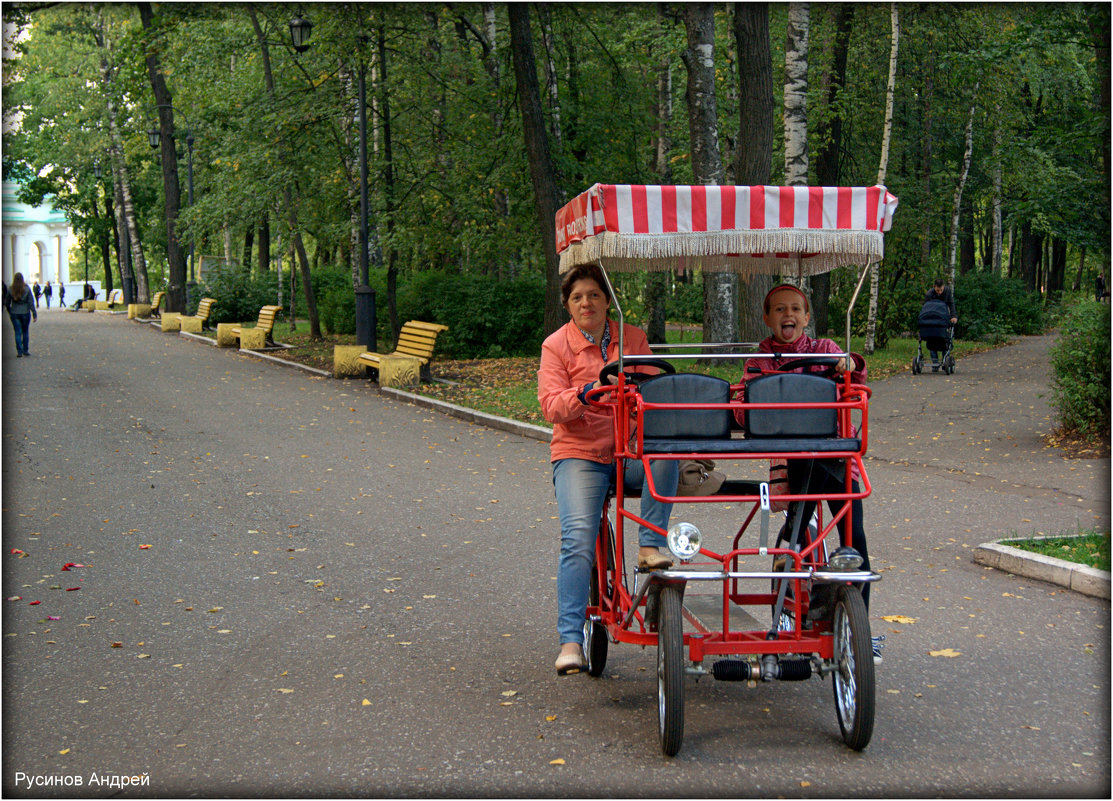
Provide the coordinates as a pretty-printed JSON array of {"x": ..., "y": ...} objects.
[
  {"x": 653, "y": 561},
  {"x": 568, "y": 663}
]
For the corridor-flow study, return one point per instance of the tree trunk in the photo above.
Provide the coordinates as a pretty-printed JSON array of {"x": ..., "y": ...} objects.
[
  {"x": 998, "y": 229},
  {"x": 656, "y": 290},
  {"x": 106, "y": 244},
  {"x": 795, "y": 95},
  {"x": 1031, "y": 244},
  {"x": 720, "y": 290},
  {"x": 542, "y": 174},
  {"x": 796, "y": 110},
  {"x": 264, "y": 262},
  {"x": 829, "y": 134},
  {"x": 248, "y": 241},
  {"x": 1077, "y": 284},
  {"x": 754, "y": 155},
  {"x": 957, "y": 204},
  {"x": 288, "y": 196},
  {"x": 383, "y": 95},
  {"x": 875, "y": 273},
  {"x": 175, "y": 257}
]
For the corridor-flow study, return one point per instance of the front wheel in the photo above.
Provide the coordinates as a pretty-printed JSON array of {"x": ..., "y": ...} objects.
[
  {"x": 917, "y": 364},
  {"x": 853, "y": 677},
  {"x": 670, "y": 671}
]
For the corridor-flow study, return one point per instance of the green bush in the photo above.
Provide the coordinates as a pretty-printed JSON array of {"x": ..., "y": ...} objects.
[
  {"x": 336, "y": 300},
  {"x": 1080, "y": 362},
  {"x": 486, "y": 318},
  {"x": 992, "y": 308},
  {"x": 239, "y": 294}
]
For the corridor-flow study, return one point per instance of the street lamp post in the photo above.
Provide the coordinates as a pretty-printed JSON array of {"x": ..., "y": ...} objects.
[
  {"x": 153, "y": 138},
  {"x": 365, "y": 295}
]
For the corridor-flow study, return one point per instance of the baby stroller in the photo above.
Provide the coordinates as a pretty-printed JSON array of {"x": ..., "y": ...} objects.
[{"x": 937, "y": 332}]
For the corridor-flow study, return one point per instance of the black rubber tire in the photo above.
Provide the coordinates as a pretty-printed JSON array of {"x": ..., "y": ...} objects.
[
  {"x": 854, "y": 680},
  {"x": 670, "y": 671},
  {"x": 596, "y": 640},
  {"x": 917, "y": 364},
  {"x": 949, "y": 365}
]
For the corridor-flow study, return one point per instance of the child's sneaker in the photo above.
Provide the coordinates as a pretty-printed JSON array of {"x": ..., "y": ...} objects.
[{"x": 878, "y": 644}]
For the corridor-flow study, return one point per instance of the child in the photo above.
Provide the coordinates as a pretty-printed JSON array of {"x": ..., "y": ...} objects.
[{"x": 786, "y": 313}]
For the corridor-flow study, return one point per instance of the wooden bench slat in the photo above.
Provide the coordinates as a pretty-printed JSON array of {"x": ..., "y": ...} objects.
[{"x": 416, "y": 340}]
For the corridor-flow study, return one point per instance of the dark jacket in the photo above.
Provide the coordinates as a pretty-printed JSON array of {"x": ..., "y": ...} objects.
[{"x": 947, "y": 297}]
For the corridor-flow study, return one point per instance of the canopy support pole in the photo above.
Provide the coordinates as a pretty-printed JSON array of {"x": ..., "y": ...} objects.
[
  {"x": 854, "y": 299},
  {"x": 617, "y": 308}
]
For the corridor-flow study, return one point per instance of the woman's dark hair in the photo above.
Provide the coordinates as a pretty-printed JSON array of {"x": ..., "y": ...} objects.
[
  {"x": 18, "y": 286},
  {"x": 589, "y": 272}
]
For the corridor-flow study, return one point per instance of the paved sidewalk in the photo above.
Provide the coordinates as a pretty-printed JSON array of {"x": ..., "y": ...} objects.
[{"x": 251, "y": 581}]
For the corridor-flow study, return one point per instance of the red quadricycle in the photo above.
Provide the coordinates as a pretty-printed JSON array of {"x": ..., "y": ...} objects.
[{"x": 785, "y": 605}]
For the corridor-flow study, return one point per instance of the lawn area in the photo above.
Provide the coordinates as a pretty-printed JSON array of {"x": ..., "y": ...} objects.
[{"x": 1085, "y": 548}]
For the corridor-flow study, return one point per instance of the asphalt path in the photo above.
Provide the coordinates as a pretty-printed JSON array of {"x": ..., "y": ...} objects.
[{"x": 295, "y": 586}]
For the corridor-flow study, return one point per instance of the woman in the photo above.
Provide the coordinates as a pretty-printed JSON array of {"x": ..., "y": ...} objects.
[
  {"x": 21, "y": 308},
  {"x": 583, "y": 450}
]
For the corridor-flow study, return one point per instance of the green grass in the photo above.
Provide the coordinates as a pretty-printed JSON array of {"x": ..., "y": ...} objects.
[{"x": 1084, "y": 548}]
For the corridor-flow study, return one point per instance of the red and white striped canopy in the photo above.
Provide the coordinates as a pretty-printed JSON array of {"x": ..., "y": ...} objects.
[{"x": 798, "y": 230}]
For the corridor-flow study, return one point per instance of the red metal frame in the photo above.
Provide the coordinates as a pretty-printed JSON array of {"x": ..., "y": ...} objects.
[{"x": 625, "y": 622}]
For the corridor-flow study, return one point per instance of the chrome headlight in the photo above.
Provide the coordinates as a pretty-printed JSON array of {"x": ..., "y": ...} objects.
[
  {"x": 684, "y": 541},
  {"x": 844, "y": 558}
]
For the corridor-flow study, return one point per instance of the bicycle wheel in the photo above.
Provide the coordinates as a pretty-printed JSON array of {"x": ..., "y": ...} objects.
[
  {"x": 670, "y": 671},
  {"x": 854, "y": 682},
  {"x": 596, "y": 640}
]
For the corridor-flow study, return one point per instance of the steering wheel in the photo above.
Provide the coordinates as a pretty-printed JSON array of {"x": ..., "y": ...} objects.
[
  {"x": 829, "y": 362},
  {"x": 610, "y": 370}
]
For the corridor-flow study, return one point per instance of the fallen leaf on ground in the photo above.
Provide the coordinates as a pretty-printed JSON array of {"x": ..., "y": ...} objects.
[
  {"x": 947, "y": 652},
  {"x": 557, "y": 762},
  {"x": 898, "y": 619}
]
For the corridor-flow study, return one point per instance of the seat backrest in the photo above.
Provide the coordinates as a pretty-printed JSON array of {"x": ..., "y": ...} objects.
[
  {"x": 266, "y": 317},
  {"x": 418, "y": 339},
  {"x": 205, "y": 307},
  {"x": 686, "y": 423},
  {"x": 791, "y": 388}
]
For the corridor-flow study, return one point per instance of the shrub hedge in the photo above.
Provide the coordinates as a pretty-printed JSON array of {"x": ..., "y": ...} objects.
[{"x": 1080, "y": 360}]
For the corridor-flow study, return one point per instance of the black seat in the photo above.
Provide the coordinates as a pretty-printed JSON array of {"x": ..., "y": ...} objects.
[{"x": 786, "y": 430}]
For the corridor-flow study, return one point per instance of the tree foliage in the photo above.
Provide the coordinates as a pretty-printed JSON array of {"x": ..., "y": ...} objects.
[{"x": 449, "y": 175}]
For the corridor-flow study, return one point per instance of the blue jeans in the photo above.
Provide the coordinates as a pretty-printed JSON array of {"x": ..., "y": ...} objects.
[
  {"x": 22, "y": 325},
  {"x": 581, "y": 490}
]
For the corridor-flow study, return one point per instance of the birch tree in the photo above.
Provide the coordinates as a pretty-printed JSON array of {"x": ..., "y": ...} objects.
[
  {"x": 882, "y": 169},
  {"x": 720, "y": 290},
  {"x": 796, "y": 109}
]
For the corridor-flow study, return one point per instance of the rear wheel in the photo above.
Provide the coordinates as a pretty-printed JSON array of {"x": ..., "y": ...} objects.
[
  {"x": 670, "y": 671},
  {"x": 595, "y": 633},
  {"x": 949, "y": 364},
  {"x": 853, "y": 677},
  {"x": 917, "y": 364}
]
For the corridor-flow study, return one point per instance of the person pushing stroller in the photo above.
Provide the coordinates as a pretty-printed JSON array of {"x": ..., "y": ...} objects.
[{"x": 937, "y": 315}]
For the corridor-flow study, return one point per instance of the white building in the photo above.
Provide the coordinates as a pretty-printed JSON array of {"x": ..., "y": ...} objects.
[{"x": 37, "y": 242}]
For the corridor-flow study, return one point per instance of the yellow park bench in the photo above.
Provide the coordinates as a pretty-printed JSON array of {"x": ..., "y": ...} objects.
[
  {"x": 199, "y": 321},
  {"x": 155, "y": 301},
  {"x": 115, "y": 296},
  {"x": 411, "y": 353},
  {"x": 260, "y": 336}
]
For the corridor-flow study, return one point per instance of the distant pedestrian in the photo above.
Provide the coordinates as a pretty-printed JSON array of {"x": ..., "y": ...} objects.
[
  {"x": 1099, "y": 287},
  {"x": 20, "y": 303},
  {"x": 38, "y": 290},
  {"x": 48, "y": 293},
  {"x": 61, "y": 296}
]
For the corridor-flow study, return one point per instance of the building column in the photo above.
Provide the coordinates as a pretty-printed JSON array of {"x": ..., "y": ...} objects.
[{"x": 8, "y": 272}]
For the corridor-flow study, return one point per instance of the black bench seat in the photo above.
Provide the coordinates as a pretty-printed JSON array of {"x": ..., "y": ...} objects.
[{"x": 724, "y": 446}]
